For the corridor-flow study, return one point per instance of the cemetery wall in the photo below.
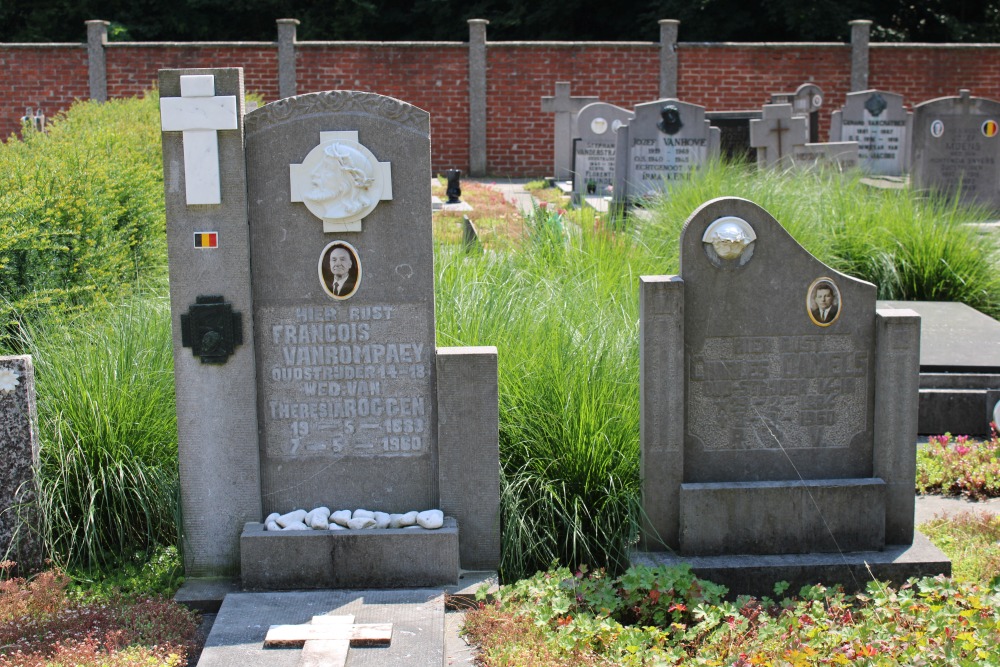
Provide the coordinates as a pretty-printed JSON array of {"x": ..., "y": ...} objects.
[
  {"x": 48, "y": 75},
  {"x": 434, "y": 76},
  {"x": 921, "y": 72},
  {"x": 519, "y": 136}
]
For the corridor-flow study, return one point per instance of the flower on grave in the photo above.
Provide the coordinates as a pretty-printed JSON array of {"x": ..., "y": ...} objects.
[{"x": 8, "y": 379}]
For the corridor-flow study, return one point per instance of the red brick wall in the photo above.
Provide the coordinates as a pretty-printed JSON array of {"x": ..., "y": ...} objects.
[
  {"x": 434, "y": 77},
  {"x": 49, "y": 76},
  {"x": 921, "y": 72},
  {"x": 519, "y": 140},
  {"x": 132, "y": 68},
  {"x": 727, "y": 77}
]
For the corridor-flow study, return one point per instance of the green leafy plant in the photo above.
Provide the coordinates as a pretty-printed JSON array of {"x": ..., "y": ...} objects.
[{"x": 959, "y": 466}]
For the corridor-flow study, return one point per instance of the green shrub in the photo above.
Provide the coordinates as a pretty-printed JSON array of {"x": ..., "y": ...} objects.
[{"x": 81, "y": 211}]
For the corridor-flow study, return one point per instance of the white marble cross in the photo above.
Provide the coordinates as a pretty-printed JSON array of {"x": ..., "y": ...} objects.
[
  {"x": 199, "y": 113},
  {"x": 326, "y": 640}
]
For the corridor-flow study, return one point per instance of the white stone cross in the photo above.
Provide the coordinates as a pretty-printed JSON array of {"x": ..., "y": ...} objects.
[
  {"x": 767, "y": 135},
  {"x": 199, "y": 113},
  {"x": 326, "y": 640}
]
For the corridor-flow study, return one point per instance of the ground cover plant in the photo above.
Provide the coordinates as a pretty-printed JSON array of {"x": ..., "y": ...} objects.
[
  {"x": 42, "y": 623},
  {"x": 959, "y": 466}
]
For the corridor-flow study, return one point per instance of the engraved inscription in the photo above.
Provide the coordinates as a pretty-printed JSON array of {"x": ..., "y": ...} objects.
[
  {"x": 666, "y": 158},
  {"x": 595, "y": 163},
  {"x": 771, "y": 392},
  {"x": 964, "y": 156},
  {"x": 345, "y": 381},
  {"x": 881, "y": 142}
]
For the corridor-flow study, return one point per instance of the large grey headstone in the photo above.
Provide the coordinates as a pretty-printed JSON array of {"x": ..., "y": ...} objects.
[
  {"x": 956, "y": 147},
  {"x": 333, "y": 392},
  {"x": 18, "y": 464},
  {"x": 594, "y": 148},
  {"x": 877, "y": 121},
  {"x": 778, "y": 408},
  {"x": 662, "y": 144}
]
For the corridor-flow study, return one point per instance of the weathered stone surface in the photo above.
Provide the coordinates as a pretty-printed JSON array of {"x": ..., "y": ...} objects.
[
  {"x": 18, "y": 463},
  {"x": 594, "y": 147}
]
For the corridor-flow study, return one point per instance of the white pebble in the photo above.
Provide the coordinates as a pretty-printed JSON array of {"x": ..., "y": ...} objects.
[
  {"x": 361, "y": 523},
  {"x": 325, "y": 511},
  {"x": 272, "y": 525},
  {"x": 273, "y": 516},
  {"x": 341, "y": 517},
  {"x": 408, "y": 519},
  {"x": 431, "y": 519},
  {"x": 298, "y": 525},
  {"x": 292, "y": 517},
  {"x": 394, "y": 520},
  {"x": 319, "y": 522},
  {"x": 334, "y": 526},
  {"x": 381, "y": 520},
  {"x": 363, "y": 514}
]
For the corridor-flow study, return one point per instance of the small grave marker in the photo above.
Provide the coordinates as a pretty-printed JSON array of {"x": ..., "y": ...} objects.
[
  {"x": 776, "y": 134},
  {"x": 594, "y": 147}
]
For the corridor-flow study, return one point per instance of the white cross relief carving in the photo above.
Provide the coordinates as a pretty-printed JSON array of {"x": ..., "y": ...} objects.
[
  {"x": 199, "y": 114},
  {"x": 326, "y": 640},
  {"x": 340, "y": 181}
]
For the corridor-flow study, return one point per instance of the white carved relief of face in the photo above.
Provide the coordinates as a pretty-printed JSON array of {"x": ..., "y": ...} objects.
[
  {"x": 340, "y": 181},
  {"x": 340, "y": 263}
]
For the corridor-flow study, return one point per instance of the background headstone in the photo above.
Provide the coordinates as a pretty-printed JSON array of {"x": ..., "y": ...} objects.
[
  {"x": 18, "y": 463},
  {"x": 806, "y": 102},
  {"x": 665, "y": 140},
  {"x": 565, "y": 109},
  {"x": 776, "y": 135},
  {"x": 735, "y": 133},
  {"x": 877, "y": 121},
  {"x": 956, "y": 148},
  {"x": 594, "y": 148}
]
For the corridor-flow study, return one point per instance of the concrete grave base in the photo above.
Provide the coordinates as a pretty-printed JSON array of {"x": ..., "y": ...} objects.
[
  {"x": 827, "y": 515},
  {"x": 417, "y": 617},
  {"x": 756, "y": 575},
  {"x": 388, "y": 558}
]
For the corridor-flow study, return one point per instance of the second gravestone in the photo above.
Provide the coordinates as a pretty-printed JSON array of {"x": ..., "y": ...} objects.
[
  {"x": 305, "y": 307},
  {"x": 594, "y": 147},
  {"x": 956, "y": 148},
  {"x": 778, "y": 412},
  {"x": 880, "y": 125}
]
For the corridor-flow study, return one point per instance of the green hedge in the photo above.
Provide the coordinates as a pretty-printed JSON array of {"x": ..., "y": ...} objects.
[{"x": 81, "y": 211}]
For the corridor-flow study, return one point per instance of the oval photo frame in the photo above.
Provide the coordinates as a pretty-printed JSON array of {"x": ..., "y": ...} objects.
[
  {"x": 349, "y": 285},
  {"x": 830, "y": 302}
]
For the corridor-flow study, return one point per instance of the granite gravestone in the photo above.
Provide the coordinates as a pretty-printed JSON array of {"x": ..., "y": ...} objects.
[
  {"x": 565, "y": 108},
  {"x": 877, "y": 121},
  {"x": 956, "y": 148},
  {"x": 776, "y": 134},
  {"x": 806, "y": 102},
  {"x": 665, "y": 141},
  {"x": 594, "y": 147},
  {"x": 778, "y": 408},
  {"x": 312, "y": 377},
  {"x": 19, "y": 453}
]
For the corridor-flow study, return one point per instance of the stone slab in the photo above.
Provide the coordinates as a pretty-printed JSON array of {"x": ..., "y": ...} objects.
[
  {"x": 388, "y": 558},
  {"x": 417, "y": 617},
  {"x": 954, "y": 337},
  {"x": 756, "y": 575},
  {"x": 205, "y": 594},
  {"x": 782, "y": 517},
  {"x": 463, "y": 594}
]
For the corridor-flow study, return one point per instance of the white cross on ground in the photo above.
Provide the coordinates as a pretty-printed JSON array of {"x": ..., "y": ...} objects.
[
  {"x": 326, "y": 640},
  {"x": 199, "y": 114}
]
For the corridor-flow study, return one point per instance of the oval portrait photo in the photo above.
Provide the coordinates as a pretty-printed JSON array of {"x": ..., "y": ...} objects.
[
  {"x": 340, "y": 270},
  {"x": 823, "y": 302}
]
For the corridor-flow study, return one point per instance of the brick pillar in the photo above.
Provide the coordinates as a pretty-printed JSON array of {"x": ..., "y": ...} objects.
[
  {"x": 286, "y": 57},
  {"x": 860, "y": 31},
  {"x": 97, "y": 68},
  {"x": 477, "y": 97},
  {"x": 668, "y": 57}
]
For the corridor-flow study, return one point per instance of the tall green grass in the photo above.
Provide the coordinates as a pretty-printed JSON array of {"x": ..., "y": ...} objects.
[{"x": 108, "y": 475}]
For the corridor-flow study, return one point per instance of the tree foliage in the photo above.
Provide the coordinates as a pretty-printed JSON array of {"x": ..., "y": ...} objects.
[{"x": 701, "y": 20}]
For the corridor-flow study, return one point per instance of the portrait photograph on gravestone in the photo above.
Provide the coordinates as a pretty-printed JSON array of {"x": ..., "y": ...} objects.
[{"x": 340, "y": 270}]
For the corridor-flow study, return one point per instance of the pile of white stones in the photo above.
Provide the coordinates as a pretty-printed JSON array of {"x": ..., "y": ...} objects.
[{"x": 322, "y": 518}]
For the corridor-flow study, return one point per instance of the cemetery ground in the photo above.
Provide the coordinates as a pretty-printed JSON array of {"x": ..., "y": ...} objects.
[{"x": 82, "y": 273}]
